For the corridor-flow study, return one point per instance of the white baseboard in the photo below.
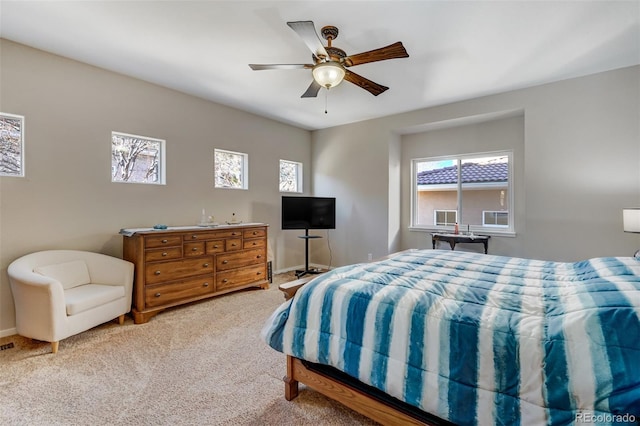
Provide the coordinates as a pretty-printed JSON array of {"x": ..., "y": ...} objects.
[{"x": 8, "y": 332}]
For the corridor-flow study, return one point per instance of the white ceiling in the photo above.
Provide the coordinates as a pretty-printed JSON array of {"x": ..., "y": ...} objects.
[{"x": 458, "y": 49}]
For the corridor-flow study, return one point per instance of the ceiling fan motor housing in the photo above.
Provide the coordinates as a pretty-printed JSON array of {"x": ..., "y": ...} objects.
[{"x": 329, "y": 33}]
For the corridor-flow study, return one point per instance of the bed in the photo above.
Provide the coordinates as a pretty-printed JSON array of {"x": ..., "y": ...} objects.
[{"x": 470, "y": 339}]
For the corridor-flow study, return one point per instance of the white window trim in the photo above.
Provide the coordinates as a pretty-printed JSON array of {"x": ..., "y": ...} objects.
[
  {"x": 22, "y": 145},
  {"x": 244, "y": 173},
  {"x": 435, "y": 212},
  {"x": 502, "y": 231},
  {"x": 300, "y": 188},
  {"x": 162, "y": 178},
  {"x": 493, "y": 225}
]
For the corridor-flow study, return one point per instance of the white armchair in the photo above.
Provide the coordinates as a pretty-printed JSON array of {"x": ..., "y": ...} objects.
[{"x": 60, "y": 293}]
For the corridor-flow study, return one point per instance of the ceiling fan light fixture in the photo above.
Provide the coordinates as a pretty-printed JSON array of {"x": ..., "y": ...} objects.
[{"x": 328, "y": 74}]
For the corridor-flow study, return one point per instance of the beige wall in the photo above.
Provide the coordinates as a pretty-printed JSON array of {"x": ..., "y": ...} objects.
[
  {"x": 577, "y": 166},
  {"x": 67, "y": 199}
]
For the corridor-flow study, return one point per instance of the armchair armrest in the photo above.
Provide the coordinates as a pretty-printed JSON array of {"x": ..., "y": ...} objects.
[{"x": 38, "y": 297}]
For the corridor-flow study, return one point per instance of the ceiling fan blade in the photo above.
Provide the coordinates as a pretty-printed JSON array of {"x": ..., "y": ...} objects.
[
  {"x": 260, "y": 67},
  {"x": 374, "y": 88},
  {"x": 307, "y": 32},
  {"x": 312, "y": 91},
  {"x": 393, "y": 51}
]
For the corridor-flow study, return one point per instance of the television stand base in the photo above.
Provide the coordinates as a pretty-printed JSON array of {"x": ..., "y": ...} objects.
[{"x": 312, "y": 271}]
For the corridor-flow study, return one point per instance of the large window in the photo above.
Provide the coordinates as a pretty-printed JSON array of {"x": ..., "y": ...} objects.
[
  {"x": 472, "y": 190},
  {"x": 230, "y": 169},
  {"x": 11, "y": 145},
  {"x": 290, "y": 176},
  {"x": 137, "y": 159}
]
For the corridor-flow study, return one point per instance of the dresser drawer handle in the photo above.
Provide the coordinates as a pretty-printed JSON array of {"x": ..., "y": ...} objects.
[
  {"x": 157, "y": 272},
  {"x": 205, "y": 285},
  {"x": 224, "y": 262},
  {"x": 206, "y": 265},
  {"x": 165, "y": 241},
  {"x": 258, "y": 273},
  {"x": 233, "y": 244},
  {"x": 157, "y": 295},
  {"x": 194, "y": 237},
  {"x": 164, "y": 254},
  {"x": 255, "y": 232},
  {"x": 234, "y": 234},
  {"x": 194, "y": 249},
  {"x": 216, "y": 246},
  {"x": 225, "y": 280},
  {"x": 255, "y": 244},
  {"x": 258, "y": 256}
]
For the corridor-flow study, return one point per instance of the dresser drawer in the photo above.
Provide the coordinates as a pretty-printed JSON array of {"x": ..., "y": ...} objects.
[
  {"x": 199, "y": 236},
  {"x": 254, "y": 233},
  {"x": 162, "y": 241},
  {"x": 163, "y": 254},
  {"x": 163, "y": 294},
  {"x": 233, "y": 244},
  {"x": 240, "y": 259},
  {"x": 215, "y": 246},
  {"x": 212, "y": 235},
  {"x": 167, "y": 271},
  {"x": 194, "y": 249},
  {"x": 257, "y": 243},
  {"x": 237, "y": 233},
  {"x": 230, "y": 279}
]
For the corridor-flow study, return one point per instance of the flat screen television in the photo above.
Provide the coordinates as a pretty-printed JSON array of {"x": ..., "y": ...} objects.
[{"x": 308, "y": 212}]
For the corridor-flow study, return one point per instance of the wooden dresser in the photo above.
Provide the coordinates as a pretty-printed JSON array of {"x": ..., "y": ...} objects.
[{"x": 181, "y": 265}]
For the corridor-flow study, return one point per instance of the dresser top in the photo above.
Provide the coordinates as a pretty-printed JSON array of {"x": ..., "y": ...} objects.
[{"x": 129, "y": 232}]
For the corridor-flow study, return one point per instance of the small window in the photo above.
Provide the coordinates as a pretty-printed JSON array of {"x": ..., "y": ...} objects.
[
  {"x": 495, "y": 218},
  {"x": 11, "y": 145},
  {"x": 137, "y": 159},
  {"x": 445, "y": 217},
  {"x": 230, "y": 169},
  {"x": 290, "y": 176}
]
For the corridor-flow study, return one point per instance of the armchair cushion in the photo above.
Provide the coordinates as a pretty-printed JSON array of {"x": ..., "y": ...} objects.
[
  {"x": 70, "y": 274},
  {"x": 89, "y": 296}
]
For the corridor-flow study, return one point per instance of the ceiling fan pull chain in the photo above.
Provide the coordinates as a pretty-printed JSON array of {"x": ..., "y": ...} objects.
[{"x": 326, "y": 97}]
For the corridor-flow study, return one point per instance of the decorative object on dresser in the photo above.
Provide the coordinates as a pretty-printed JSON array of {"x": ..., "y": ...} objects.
[{"x": 179, "y": 265}]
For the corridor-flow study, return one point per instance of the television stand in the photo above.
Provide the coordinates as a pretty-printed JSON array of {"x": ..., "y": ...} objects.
[{"x": 306, "y": 270}]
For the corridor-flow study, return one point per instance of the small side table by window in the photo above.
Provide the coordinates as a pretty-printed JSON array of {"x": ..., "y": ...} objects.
[{"x": 454, "y": 239}]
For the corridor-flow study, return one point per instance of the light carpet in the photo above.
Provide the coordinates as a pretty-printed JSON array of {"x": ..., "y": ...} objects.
[{"x": 201, "y": 364}]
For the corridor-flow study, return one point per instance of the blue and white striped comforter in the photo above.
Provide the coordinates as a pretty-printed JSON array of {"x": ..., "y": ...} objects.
[{"x": 478, "y": 339}]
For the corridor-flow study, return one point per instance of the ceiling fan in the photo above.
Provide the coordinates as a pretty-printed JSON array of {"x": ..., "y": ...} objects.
[{"x": 330, "y": 64}]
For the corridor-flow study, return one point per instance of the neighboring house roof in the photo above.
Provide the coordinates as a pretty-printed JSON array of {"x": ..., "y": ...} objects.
[{"x": 471, "y": 173}]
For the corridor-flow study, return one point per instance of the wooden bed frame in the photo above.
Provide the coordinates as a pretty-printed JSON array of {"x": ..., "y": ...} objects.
[{"x": 333, "y": 388}]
